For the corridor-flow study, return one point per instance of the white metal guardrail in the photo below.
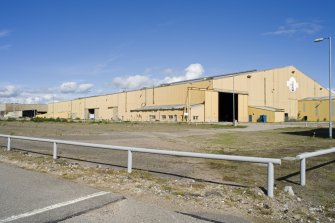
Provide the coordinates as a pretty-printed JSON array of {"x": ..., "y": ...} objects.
[
  {"x": 269, "y": 161},
  {"x": 302, "y": 157}
]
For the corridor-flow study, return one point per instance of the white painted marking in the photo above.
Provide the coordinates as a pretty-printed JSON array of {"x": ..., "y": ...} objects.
[{"x": 51, "y": 207}]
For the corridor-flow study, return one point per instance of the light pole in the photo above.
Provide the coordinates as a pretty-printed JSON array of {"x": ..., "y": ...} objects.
[
  {"x": 234, "y": 124},
  {"x": 330, "y": 80},
  {"x": 53, "y": 106}
]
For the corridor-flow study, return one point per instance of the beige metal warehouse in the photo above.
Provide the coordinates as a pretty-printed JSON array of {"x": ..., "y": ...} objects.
[{"x": 273, "y": 92}]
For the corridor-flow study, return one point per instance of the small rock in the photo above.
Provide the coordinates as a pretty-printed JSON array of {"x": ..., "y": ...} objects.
[
  {"x": 298, "y": 199},
  {"x": 266, "y": 206},
  {"x": 213, "y": 193},
  {"x": 99, "y": 166},
  {"x": 285, "y": 209},
  {"x": 289, "y": 190},
  {"x": 73, "y": 165},
  {"x": 297, "y": 216}
]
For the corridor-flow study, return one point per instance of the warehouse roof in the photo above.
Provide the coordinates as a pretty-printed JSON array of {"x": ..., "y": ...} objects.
[
  {"x": 208, "y": 78},
  {"x": 190, "y": 81},
  {"x": 163, "y": 107},
  {"x": 184, "y": 82},
  {"x": 317, "y": 98},
  {"x": 269, "y": 108}
]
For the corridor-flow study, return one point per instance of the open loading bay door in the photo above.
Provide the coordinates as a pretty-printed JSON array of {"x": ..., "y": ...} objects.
[
  {"x": 227, "y": 106},
  {"x": 91, "y": 113}
]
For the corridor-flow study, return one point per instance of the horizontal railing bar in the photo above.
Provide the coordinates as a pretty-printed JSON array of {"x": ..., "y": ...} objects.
[
  {"x": 315, "y": 153},
  {"x": 154, "y": 151}
]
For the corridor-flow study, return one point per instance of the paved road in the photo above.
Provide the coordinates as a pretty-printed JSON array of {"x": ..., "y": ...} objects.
[
  {"x": 131, "y": 211},
  {"x": 27, "y": 196}
]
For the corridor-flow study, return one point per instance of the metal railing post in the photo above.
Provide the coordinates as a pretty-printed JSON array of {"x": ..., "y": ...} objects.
[
  {"x": 130, "y": 161},
  {"x": 8, "y": 144},
  {"x": 303, "y": 172},
  {"x": 54, "y": 155},
  {"x": 270, "y": 179}
]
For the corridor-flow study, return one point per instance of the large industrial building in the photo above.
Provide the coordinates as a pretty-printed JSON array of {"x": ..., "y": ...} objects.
[{"x": 271, "y": 95}]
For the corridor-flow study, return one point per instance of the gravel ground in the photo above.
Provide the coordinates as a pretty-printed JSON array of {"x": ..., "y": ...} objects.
[{"x": 194, "y": 184}]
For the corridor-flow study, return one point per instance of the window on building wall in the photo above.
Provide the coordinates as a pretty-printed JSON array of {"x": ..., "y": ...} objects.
[
  {"x": 195, "y": 118},
  {"x": 163, "y": 117},
  {"x": 171, "y": 117},
  {"x": 304, "y": 107},
  {"x": 152, "y": 116}
]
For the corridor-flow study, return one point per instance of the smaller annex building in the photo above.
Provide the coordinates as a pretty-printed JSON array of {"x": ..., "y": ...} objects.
[
  {"x": 316, "y": 109},
  {"x": 271, "y": 95},
  {"x": 16, "y": 110}
]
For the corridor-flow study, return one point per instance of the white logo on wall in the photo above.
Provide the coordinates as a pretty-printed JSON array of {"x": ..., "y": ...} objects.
[{"x": 292, "y": 84}]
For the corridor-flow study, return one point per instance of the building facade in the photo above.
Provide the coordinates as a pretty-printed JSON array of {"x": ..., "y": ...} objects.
[
  {"x": 16, "y": 110},
  {"x": 245, "y": 96},
  {"x": 315, "y": 109}
]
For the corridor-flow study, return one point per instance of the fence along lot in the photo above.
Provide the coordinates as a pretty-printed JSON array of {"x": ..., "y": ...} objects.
[
  {"x": 274, "y": 143},
  {"x": 130, "y": 150},
  {"x": 302, "y": 157}
]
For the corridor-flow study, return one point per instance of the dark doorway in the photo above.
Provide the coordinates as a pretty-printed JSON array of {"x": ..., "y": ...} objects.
[
  {"x": 286, "y": 117},
  {"x": 29, "y": 113},
  {"x": 226, "y": 107},
  {"x": 91, "y": 113}
]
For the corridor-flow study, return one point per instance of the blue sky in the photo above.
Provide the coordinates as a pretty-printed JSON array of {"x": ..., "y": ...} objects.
[{"x": 56, "y": 50}]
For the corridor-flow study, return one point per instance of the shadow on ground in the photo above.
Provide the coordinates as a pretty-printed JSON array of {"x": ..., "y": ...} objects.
[
  {"x": 317, "y": 133},
  {"x": 228, "y": 183},
  {"x": 287, "y": 177}
]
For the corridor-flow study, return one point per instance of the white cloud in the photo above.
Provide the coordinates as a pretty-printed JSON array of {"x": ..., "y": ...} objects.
[
  {"x": 132, "y": 82},
  {"x": 293, "y": 26},
  {"x": 16, "y": 94},
  {"x": 48, "y": 97},
  {"x": 36, "y": 97},
  {"x": 4, "y": 33},
  {"x": 74, "y": 87},
  {"x": 68, "y": 87},
  {"x": 68, "y": 90},
  {"x": 26, "y": 95},
  {"x": 193, "y": 71},
  {"x": 8, "y": 91},
  {"x": 33, "y": 100},
  {"x": 83, "y": 88}
]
